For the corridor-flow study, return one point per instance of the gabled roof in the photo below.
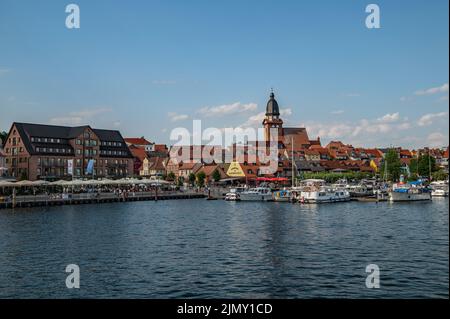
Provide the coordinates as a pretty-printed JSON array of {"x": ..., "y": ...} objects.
[
  {"x": 28, "y": 130},
  {"x": 137, "y": 141},
  {"x": 157, "y": 163},
  {"x": 139, "y": 153}
]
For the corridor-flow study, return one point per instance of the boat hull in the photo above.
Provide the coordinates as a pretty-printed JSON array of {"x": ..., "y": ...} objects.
[
  {"x": 255, "y": 197},
  {"x": 408, "y": 197},
  {"x": 320, "y": 197}
]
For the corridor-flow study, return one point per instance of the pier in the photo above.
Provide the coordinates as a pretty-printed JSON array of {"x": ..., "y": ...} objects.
[{"x": 93, "y": 198}]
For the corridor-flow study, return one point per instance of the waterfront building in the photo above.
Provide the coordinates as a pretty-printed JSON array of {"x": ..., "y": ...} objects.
[
  {"x": 36, "y": 151},
  {"x": 3, "y": 168},
  {"x": 209, "y": 171},
  {"x": 153, "y": 167},
  {"x": 140, "y": 142},
  {"x": 139, "y": 156},
  {"x": 290, "y": 138}
]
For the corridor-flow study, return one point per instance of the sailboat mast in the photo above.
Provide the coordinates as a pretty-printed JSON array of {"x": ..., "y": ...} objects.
[{"x": 292, "y": 161}]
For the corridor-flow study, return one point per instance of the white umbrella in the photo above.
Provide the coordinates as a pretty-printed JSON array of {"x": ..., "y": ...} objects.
[
  {"x": 7, "y": 184},
  {"x": 107, "y": 181},
  {"x": 60, "y": 183},
  {"x": 23, "y": 183}
]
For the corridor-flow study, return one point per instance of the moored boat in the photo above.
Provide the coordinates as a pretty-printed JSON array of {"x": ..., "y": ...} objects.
[
  {"x": 283, "y": 195},
  {"x": 234, "y": 194},
  {"x": 439, "y": 189},
  {"x": 407, "y": 192},
  {"x": 257, "y": 194},
  {"x": 316, "y": 191}
]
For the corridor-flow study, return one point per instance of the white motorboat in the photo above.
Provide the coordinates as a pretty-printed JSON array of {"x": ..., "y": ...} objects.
[
  {"x": 234, "y": 194},
  {"x": 407, "y": 192},
  {"x": 359, "y": 190},
  {"x": 439, "y": 189},
  {"x": 324, "y": 195},
  {"x": 316, "y": 191},
  {"x": 257, "y": 194}
]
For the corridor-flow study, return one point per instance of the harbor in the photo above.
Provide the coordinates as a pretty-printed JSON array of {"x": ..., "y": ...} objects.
[
  {"x": 311, "y": 191},
  {"x": 215, "y": 249}
]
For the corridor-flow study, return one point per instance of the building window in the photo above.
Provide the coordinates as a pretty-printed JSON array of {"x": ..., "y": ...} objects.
[{"x": 86, "y": 135}]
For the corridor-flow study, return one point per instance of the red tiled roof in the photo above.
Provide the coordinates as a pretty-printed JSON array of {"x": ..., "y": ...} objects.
[
  {"x": 161, "y": 148},
  {"x": 405, "y": 153},
  {"x": 299, "y": 137},
  {"x": 139, "y": 153},
  {"x": 157, "y": 163},
  {"x": 374, "y": 152},
  {"x": 137, "y": 141}
]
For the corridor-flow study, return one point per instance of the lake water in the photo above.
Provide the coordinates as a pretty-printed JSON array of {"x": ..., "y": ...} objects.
[{"x": 206, "y": 249}]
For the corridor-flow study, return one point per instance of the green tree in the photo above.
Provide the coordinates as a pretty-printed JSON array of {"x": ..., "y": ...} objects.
[
  {"x": 191, "y": 179},
  {"x": 216, "y": 176},
  {"x": 201, "y": 179},
  {"x": 440, "y": 175},
  {"x": 391, "y": 165},
  {"x": 3, "y": 136},
  {"x": 170, "y": 177},
  {"x": 423, "y": 165},
  {"x": 180, "y": 181}
]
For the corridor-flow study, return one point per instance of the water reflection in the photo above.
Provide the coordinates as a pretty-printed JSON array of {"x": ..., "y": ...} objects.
[{"x": 200, "y": 248}]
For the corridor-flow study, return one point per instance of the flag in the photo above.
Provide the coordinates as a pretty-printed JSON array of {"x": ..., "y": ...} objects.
[
  {"x": 70, "y": 167},
  {"x": 90, "y": 167},
  {"x": 374, "y": 166}
]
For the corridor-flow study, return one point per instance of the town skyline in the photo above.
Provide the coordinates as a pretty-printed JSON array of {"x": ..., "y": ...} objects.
[{"x": 368, "y": 88}]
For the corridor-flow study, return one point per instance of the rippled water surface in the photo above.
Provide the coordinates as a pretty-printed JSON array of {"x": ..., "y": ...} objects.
[{"x": 205, "y": 249}]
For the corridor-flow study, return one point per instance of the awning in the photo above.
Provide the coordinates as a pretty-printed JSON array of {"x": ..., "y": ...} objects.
[{"x": 272, "y": 179}]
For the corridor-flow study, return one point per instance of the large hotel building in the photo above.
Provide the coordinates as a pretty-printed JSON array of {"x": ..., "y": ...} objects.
[{"x": 35, "y": 151}]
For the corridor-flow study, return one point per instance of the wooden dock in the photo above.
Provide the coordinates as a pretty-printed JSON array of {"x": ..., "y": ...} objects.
[{"x": 81, "y": 199}]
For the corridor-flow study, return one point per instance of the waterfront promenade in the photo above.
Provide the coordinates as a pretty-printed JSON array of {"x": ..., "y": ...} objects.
[{"x": 93, "y": 198}]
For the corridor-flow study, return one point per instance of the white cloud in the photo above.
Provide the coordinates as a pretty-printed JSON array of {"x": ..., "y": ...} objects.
[
  {"x": 228, "y": 109},
  {"x": 437, "y": 139},
  {"x": 389, "y": 118},
  {"x": 67, "y": 120},
  {"x": 175, "y": 117},
  {"x": 256, "y": 120},
  {"x": 428, "y": 119},
  {"x": 444, "y": 98},
  {"x": 434, "y": 90},
  {"x": 364, "y": 130},
  {"x": 337, "y": 112},
  {"x": 4, "y": 71},
  {"x": 79, "y": 117}
]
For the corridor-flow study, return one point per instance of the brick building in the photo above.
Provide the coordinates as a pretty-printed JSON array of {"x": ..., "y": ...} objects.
[{"x": 35, "y": 151}]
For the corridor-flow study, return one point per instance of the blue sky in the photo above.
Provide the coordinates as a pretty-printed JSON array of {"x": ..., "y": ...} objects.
[{"x": 145, "y": 67}]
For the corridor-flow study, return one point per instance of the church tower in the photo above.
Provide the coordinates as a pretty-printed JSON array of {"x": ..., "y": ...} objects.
[{"x": 272, "y": 119}]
